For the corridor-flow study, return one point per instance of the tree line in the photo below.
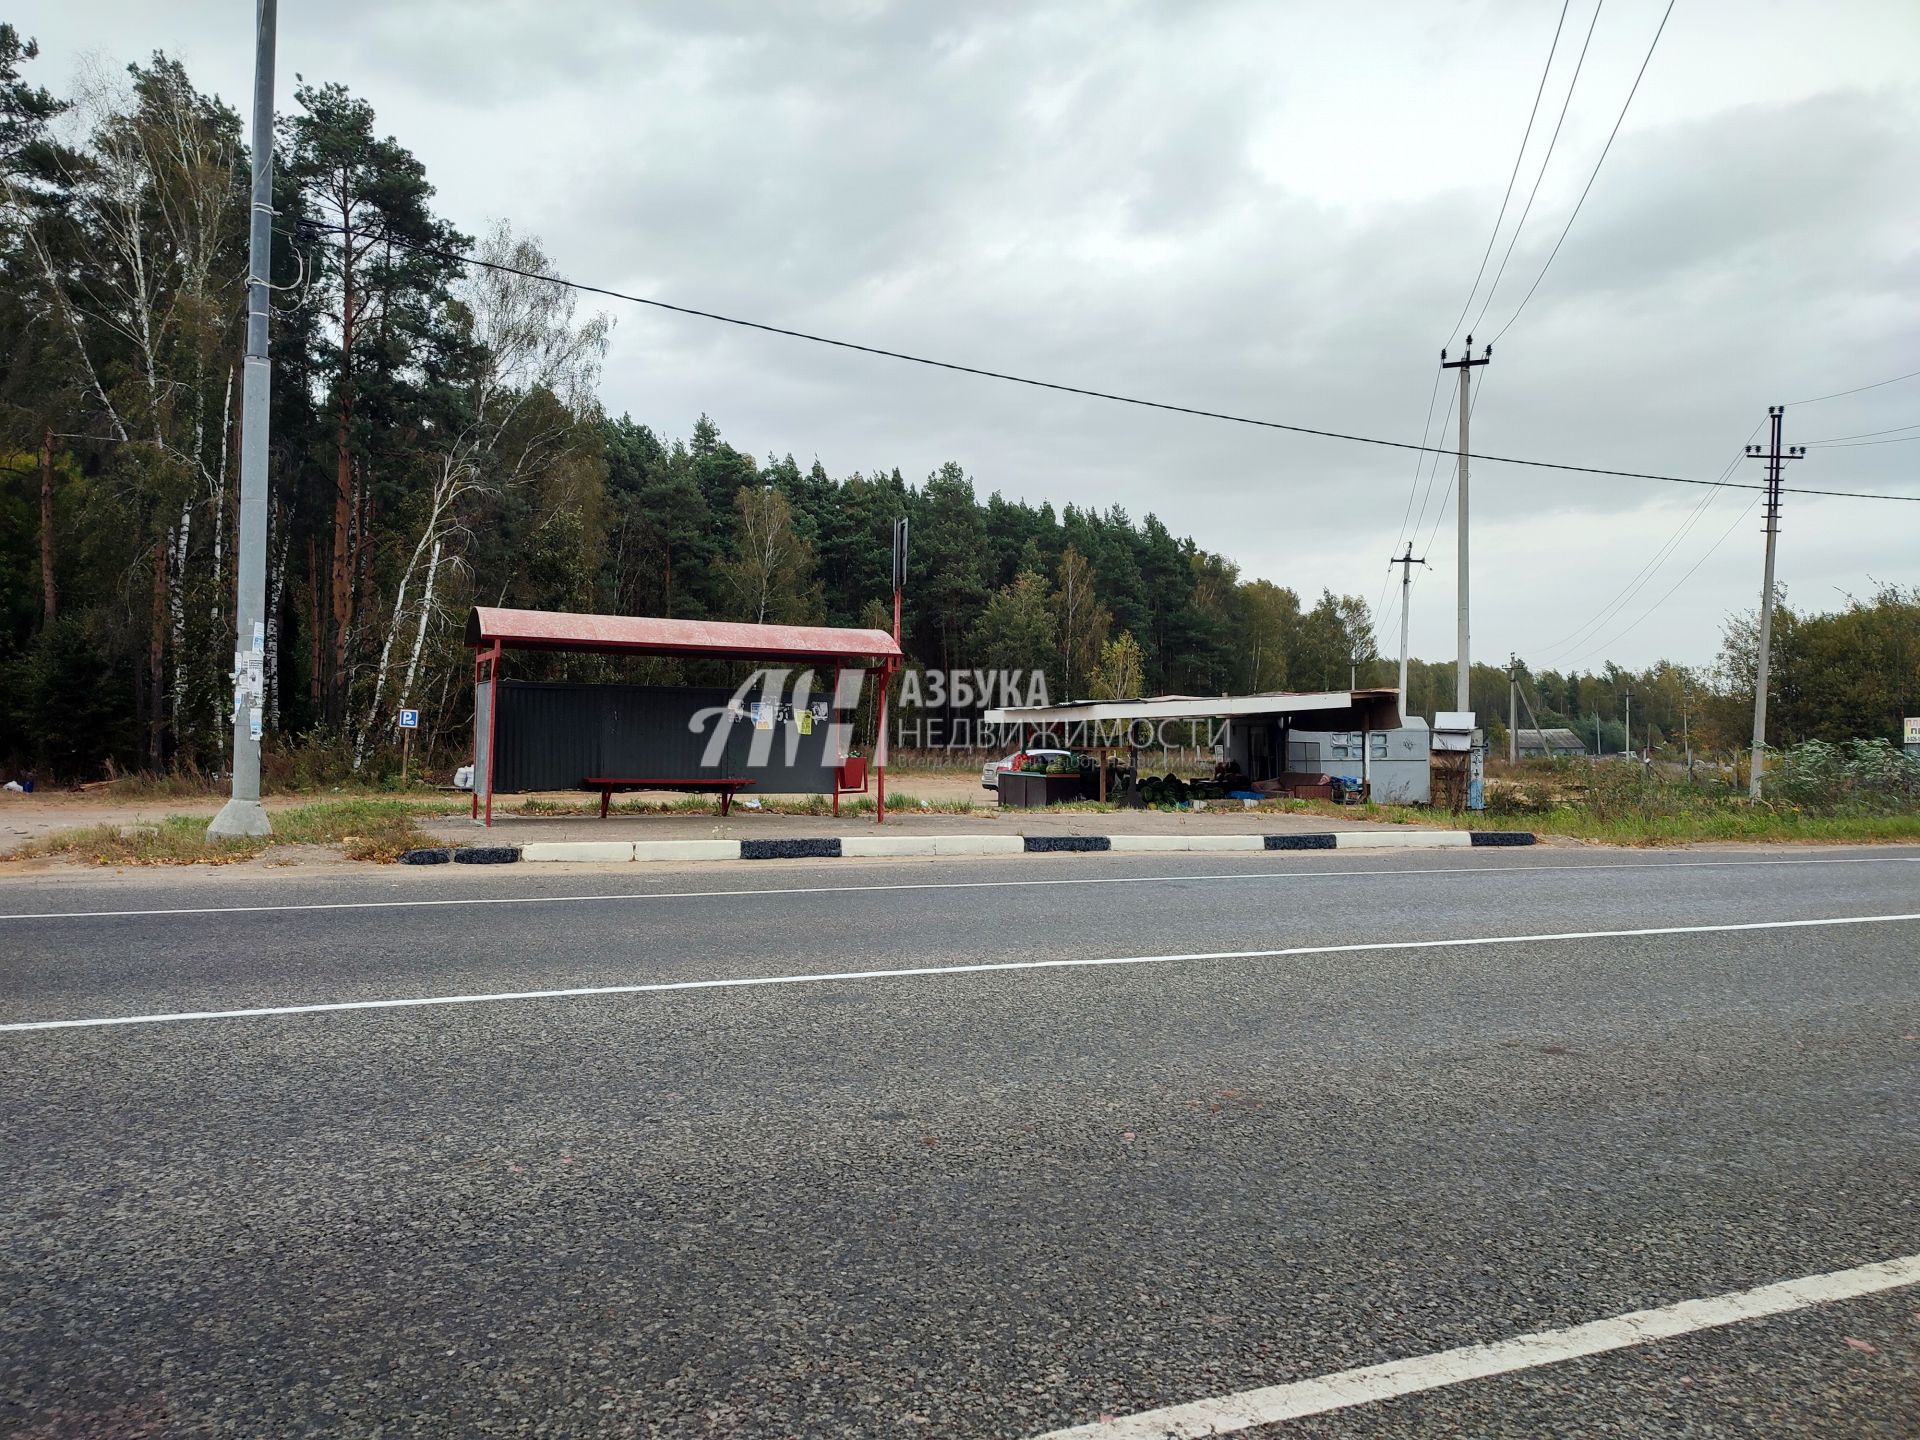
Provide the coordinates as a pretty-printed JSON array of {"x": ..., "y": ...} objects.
[
  {"x": 438, "y": 442},
  {"x": 1852, "y": 673}
]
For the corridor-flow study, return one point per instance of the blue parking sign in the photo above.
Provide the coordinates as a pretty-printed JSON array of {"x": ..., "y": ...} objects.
[{"x": 409, "y": 719}]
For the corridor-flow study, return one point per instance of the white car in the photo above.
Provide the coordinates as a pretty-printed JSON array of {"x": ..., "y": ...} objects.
[{"x": 990, "y": 772}]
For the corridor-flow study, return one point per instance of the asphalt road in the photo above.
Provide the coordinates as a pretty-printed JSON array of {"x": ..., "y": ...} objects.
[{"x": 993, "y": 1202}]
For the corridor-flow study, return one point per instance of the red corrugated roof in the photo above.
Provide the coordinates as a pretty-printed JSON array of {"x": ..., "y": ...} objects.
[{"x": 653, "y": 635}]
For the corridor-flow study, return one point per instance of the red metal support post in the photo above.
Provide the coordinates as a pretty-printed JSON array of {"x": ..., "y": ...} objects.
[
  {"x": 478, "y": 659},
  {"x": 493, "y": 714},
  {"x": 880, "y": 747}
]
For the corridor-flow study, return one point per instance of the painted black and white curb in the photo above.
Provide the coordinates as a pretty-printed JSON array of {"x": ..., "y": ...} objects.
[{"x": 602, "y": 852}]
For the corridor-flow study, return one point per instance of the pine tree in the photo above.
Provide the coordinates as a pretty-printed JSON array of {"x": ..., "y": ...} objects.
[{"x": 1016, "y": 629}]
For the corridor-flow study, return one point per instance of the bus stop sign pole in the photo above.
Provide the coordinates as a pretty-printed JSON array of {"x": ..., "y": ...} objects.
[{"x": 886, "y": 675}]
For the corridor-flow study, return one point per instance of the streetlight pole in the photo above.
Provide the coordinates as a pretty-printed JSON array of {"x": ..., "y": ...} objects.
[{"x": 243, "y": 813}]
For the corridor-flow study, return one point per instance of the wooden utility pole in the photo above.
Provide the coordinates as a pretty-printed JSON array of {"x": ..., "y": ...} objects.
[{"x": 1465, "y": 364}]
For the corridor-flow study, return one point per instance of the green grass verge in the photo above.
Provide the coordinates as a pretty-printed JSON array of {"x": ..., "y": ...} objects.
[
  {"x": 1683, "y": 827},
  {"x": 1690, "y": 828},
  {"x": 359, "y": 829}
]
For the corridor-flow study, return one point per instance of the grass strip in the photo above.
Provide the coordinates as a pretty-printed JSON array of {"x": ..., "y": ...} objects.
[{"x": 359, "y": 829}]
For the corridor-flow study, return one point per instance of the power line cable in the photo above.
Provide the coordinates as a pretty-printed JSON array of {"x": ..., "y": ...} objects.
[
  {"x": 1433, "y": 467},
  {"x": 1856, "y": 444},
  {"x": 1815, "y": 400},
  {"x": 1641, "y": 578},
  {"x": 1453, "y": 479},
  {"x": 1473, "y": 289},
  {"x": 1453, "y": 476},
  {"x": 1418, "y": 460},
  {"x": 1081, "y": 390},
  {"x": 1525, "y": 135},
  {"x": 1520, "y": 155},
  {"x": 1864, "y": 434},
  {"x": 1644, "y": 576},
  {"x": 1595, "y": 175},
  {"x": 1552, "y": 141},
  {"x": 1651, "y": 609}
]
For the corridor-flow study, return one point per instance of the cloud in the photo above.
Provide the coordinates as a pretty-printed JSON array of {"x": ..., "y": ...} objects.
[{"x": 1245, "y": 207}]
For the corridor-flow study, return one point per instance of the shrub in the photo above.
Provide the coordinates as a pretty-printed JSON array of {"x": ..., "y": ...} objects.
[{"x": 1855, "y": 777}]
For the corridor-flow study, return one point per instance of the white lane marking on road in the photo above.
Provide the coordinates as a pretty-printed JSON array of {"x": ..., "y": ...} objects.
[
  {"x": 1362, "y": 1386},
  {"x": 746, "y": 982},
  {"x": 623, "y": 896}
]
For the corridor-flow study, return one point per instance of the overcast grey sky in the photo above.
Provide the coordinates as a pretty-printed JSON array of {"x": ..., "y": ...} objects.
[{"x": 1272, "y": 209}]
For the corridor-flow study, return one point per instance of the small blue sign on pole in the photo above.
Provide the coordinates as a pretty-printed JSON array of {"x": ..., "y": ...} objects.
[{"x": 409, "y": 719}]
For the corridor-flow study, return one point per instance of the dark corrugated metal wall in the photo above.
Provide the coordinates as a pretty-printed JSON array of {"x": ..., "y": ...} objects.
[{"x": 553, "y": 736}]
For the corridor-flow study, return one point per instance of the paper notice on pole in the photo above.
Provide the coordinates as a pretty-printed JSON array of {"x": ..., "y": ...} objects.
[
  {"x": 253, "y": 721},
  {"x": 259, "y": 637}
]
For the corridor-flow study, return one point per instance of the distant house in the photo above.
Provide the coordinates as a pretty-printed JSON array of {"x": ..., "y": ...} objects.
[{"x": 1534, "y": 744}]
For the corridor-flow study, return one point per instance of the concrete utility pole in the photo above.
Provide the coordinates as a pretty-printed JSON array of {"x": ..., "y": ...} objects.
[
  {"x": 1513, "y": 709},
  {"x": 1686, "y": 740},
  {"x": 1464, "y": 365},
  {"x": 1406, "y": 563},
  {"x": 243, "y": 814},
  {"x": 1776, "y": 461},
  {"x": 1533, "y": 720},
  {"x": 1626, "y": 728}
]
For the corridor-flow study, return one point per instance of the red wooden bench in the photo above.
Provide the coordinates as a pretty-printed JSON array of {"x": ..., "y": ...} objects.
[{"x": 724, "y": 787}]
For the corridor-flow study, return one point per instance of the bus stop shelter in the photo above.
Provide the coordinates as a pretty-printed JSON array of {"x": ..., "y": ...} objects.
[{"x": 555, "y": 729}]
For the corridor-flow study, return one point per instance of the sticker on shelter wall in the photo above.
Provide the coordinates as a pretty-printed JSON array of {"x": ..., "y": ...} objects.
[
  {"x": 806, "y": 722},
  {"x": 762, "y": 715}
]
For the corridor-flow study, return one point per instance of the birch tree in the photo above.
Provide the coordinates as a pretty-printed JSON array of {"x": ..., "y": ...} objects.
[
  {"x": 769, "y": 573},
  {"x": 145, "y": 263},
  {"x": 1080, "y": 620},
  {"x": 519, "y": 409}
]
